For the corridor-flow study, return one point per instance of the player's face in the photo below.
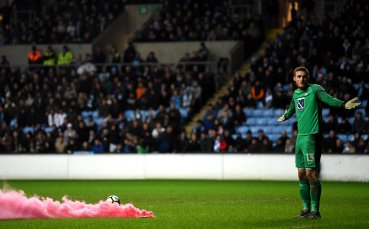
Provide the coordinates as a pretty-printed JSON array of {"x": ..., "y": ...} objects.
[{"x": 301, "y": 79}]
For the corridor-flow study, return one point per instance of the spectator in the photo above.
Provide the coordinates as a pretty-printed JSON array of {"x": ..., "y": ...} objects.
[
  {"x": 220, "y": 145},
  {"x": 349, "y": 148},
  {"x": 279, "y": 147},
  {"x": 290, "y": 147},
  {"x": 97, "y": 146},
  {"x": 359, "y": 123},
  {"x": 344, "y": 127},
  {"x": 49, "y": 57},
  {"x": 339, "y": 147},
  {"x": 331, "y": 124},
  {"x": 181, "y": 143},
  {"x": 257, "y": 94},
  {"x": 151, "y": 58},
  {"x": 203, "y": 52},
  {"x": 60, "y": 144},
  {"x": 4, "y": 63},
  {"x": 254, "y": 146},
  {"x": 239, "y": 117},
  {"x": 207, "y": 141},
  {"x": 239, "y": 144},
  {"x": 35, "y": 56},
  {"x": 330, "y": 142},
  {"x": 193, "y": 144},
  {"x": 65, "y": 57}
]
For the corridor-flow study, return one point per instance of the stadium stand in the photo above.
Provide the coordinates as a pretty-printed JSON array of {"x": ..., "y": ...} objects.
[{"x": 124, "y": 103}]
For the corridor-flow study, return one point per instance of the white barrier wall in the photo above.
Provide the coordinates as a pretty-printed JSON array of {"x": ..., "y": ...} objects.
[{"x": 176, "y": 166}]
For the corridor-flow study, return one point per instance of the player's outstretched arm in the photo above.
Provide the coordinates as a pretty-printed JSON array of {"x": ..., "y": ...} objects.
[
  {"x": 281, "y": 119},
  {"x": 352, "y": 103},
  {"x": 288, "y": 112}
]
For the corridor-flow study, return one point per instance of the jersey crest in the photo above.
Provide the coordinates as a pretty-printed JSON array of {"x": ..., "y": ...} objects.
[{"x": 300, "y": 103}]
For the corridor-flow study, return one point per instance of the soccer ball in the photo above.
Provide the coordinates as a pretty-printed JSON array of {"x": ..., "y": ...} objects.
[{"x": 113, "y": 199}]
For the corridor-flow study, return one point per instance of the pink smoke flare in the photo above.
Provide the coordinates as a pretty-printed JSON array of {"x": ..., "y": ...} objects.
[{"x": 15, "y": 205}]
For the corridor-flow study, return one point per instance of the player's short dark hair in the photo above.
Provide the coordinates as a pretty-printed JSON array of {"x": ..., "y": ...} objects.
[{"x": 300, "y": 69}]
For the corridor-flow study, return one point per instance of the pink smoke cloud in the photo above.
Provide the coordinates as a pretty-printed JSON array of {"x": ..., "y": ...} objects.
[{"x": 16, "y": 205}]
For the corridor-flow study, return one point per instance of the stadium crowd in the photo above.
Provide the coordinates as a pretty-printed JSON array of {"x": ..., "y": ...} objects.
[
  {"x": 60, "y": 107},
  {"x": 56, "y": 21},
  {"x": 207, "y": 20},
  {"x": 337, "y": 53},
  {"x": 81, "y": 107}
]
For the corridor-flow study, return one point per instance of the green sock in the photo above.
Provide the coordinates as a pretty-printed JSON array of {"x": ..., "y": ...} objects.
[
  {"x": 315, "y": 192},
  {"x": 305, "y": 193}
]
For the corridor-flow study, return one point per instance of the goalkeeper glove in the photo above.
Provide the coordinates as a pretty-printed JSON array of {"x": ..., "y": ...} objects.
[
  {"x": 281, "y": 119},
  {"x": 352, "y": 103}
]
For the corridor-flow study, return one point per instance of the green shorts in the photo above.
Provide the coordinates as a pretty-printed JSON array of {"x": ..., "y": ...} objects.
[{"x": 308, "y": 151}]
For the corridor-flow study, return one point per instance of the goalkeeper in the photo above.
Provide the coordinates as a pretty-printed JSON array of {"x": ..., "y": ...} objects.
[{"x": 307, "y": 102}]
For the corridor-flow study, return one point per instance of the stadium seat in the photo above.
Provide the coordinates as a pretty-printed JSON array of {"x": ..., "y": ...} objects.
[
  {"x": 343, "y": 137},
  {"x": 262, "y": 121},
  {"x": 13, "y": 122},
  {"x": 28, "y": 129},
  {"x": 254, "y": 130},
  {"x": 364, "y": 103},
  {"x": 95, "y": 114},
  {"x": 272, "y": 121},
  {"x": 129, "y": 114},
  {"x": 248, "y": 112},
  {"x": 273, "y": 137},
  {"x": 99, "y": 122},
  {"x": 268, "y": 113},
  {"x": 268, "y": 130},
  {"x": 325, "y": 112},
  {"x": 242, "y": 129},
  {"x": 278, "y": 112},
  {"x": 252, "y": 121},
  {"x": 257, "y": 112},
  {"x": 184, "y": 112}
]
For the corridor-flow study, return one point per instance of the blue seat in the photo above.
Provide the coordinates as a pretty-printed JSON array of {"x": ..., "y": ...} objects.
[
  {"x": 364, "y": 102},
  {"x": 356, "y": 86},
  {"x": 254, "y": 130},
  {"x": 13, "y": 122},
  {"x": 268, "y": 130},
  {"x": 273, "y": 137},
  {"x": 129, "y": 114},
  {"x": 351, "y": 120},
  {"x": 279, "y": 129},
  {"x": 252, "y": 121},
  {"x": 28, "y": 129},
  {"x": 242, "y": 129},
  {"x": 325, "y": 112},
  {"x": 272, "y": 121},
  {"x": 248, "y": 112},
  {"x": 343, "y": 137},
  {"x": 99, "y": 122},
  {"x": 262, "y": 121},
  {"x": 257, "y": 113},
  {"x": 85, "y": 114},
  {"x": 95, "y": 114},
  {"x": 290, "y": 121},
  {"x": 184, "y": 112},
  {"x": 278, "y": 112},
  {"x": 268, "y": 113}
]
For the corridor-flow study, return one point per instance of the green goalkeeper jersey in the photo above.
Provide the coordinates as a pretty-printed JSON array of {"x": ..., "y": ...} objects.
[{"x": 307, "y": 104}]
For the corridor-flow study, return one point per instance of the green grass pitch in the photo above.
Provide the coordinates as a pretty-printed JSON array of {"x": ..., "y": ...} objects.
[{"x": 203, "y": 203}]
